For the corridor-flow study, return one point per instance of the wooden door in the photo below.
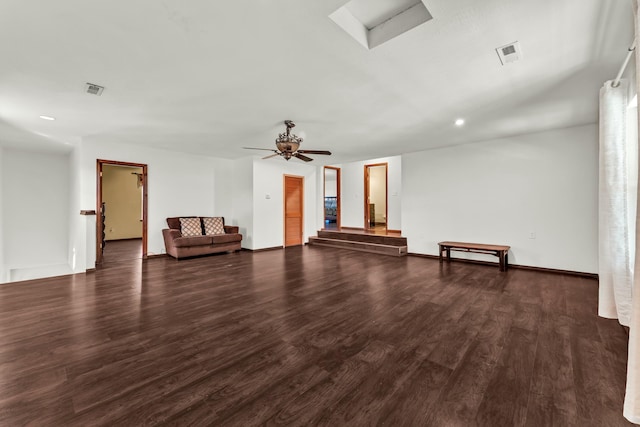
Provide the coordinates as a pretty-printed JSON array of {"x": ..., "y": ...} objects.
[{"x": 293, "y": 209}]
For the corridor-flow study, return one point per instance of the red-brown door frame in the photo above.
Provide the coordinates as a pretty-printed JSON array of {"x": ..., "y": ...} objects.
[
  {"x": 99, "y": 164},
  {"x": 324, "y": 193},
  {"x": 366, "y": 194}
]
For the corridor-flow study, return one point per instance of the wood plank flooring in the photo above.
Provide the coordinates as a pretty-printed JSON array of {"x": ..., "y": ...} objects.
[
  {"x": 308, "y": 336},
  {"x": 122, "y": 250}
]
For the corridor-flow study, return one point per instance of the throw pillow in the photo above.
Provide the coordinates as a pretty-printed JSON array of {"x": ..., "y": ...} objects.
[
  {"x": 190, "y": 227},
  {"x": 213, "y": 225}
]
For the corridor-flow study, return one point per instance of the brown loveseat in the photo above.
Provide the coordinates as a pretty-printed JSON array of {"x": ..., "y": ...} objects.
[{"x": 181, "y": 247}]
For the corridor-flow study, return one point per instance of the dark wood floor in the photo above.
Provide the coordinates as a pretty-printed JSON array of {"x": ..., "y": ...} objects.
[
  {"x": 308, "y": 336},
  {"x": 122, "y": 250}
]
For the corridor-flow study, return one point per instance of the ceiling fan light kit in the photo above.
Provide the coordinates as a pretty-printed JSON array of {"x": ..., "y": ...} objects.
[
  {"x": 288, "y": 143},
  {"x": 288, "y": 146}
]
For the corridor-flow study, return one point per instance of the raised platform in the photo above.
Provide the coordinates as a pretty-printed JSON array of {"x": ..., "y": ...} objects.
[{"x": 364, "y": 242}]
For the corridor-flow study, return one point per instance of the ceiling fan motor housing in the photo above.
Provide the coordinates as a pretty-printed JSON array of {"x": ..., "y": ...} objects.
[{"x": 288, "y": 147}]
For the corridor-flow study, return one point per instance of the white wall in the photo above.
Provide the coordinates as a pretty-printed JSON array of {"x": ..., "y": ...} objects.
[
  {"x": 178, "y": 184},
  {"x": 35, "y": 212},
  {"x": 496, "y": 191},
  {"x": 502, "y": 190},
  {"x": 268, "y": 196},
  {"x": 223, "y": 190},
  {"x": 82, "y": 258},
  {"x": 242, "y": 199},
  {"x": 352, "y": 192}
]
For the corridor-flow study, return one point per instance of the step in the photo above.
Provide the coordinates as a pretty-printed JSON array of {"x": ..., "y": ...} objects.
[
  {"x": 364, "y": 238},
  {"x": 359, "y": 246}
]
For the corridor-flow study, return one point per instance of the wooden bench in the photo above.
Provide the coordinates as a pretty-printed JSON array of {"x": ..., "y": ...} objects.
[{"x": 502, "y": 252}]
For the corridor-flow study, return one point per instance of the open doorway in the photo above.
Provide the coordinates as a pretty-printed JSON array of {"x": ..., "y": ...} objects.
[
  {"x": 122, "y": 211},
  {"x": 331, "y": 198},
  {"x": 375, "y": 196}
]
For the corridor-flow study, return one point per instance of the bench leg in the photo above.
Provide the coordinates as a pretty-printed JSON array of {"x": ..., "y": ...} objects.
[
  {"x": 446, "y": 250},
  {"x": 503, "y": 260}
]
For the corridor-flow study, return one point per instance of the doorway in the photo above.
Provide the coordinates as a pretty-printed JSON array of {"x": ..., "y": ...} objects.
[
  {"x": 121, "y": 226},
  {"x": 331, "y": 198},
  {"x": 375, "y": 196},
  {"x": 293, "y": 210}
]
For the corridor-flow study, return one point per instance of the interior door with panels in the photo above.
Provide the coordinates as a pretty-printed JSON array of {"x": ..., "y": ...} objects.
[{"x": 293, "y": 210}]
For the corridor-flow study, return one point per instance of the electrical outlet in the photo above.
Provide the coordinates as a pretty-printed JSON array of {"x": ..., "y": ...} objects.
[{"x": 532, "y": 234}]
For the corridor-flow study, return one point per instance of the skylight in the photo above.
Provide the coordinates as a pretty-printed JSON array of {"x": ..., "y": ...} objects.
[{"x": 374, "y": 22}]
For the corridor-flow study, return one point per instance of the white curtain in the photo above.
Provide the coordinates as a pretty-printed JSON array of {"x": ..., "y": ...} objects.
[
  {"x": 632, "y": 396},
  {"x": 614, "y": 266}
]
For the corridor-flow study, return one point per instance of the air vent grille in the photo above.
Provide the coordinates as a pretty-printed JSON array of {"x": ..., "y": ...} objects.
[
  {"x": 94, "y": 89},
  {"x": 509, "y": 53},
  {"x": 508, "y": 50}
]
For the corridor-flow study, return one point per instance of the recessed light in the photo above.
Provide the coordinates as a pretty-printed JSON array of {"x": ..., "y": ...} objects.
[
  {"x": 459, "y": 122},
  {"x": 47, "y": 118}
]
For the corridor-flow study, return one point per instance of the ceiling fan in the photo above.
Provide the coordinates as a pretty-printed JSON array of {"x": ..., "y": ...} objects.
[{"x": 288, "y": 145}]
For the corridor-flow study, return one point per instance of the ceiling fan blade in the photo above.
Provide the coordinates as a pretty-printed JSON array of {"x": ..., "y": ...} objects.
[
  {"x": 270, "y": 156},
  {"x": 265, "y": 149},
  {"x": 302, "y": 157},
  {"x": 328, "y": 153}
]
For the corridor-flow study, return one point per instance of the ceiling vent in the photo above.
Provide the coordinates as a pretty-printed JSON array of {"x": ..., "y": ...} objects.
[
  {"x": 93, "y": 89},
  {"x": 509, "y": 53}
]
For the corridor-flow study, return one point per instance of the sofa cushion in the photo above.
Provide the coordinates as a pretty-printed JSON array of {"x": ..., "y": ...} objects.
[
  {"x": 190, "y": 227},
  {"x": 174, "y": 222},
  {"x": 213, "y": 225},
  {"x": 226, "y": 238},
  {"x": 183, "y": 242}
]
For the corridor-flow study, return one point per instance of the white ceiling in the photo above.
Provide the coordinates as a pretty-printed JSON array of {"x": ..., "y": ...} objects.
[{"x": 210, "y": 77}]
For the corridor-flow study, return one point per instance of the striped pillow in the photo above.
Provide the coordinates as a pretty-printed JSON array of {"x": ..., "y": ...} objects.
[
  {"x": 190, "y": 227},
  {"x": 213, "y": 225}
]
